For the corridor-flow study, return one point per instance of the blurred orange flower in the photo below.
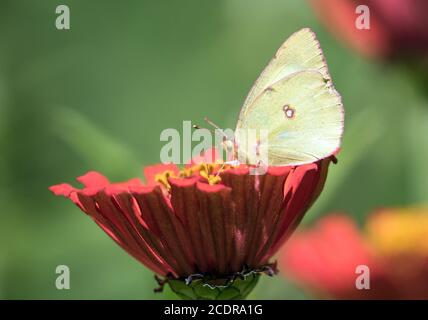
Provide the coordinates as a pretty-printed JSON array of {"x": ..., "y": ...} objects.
[
  {"x": 394, "y": 245},
  {"x": 397, "y": 27}
]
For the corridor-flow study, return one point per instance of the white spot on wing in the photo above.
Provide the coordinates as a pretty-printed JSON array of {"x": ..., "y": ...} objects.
[{"x": 288, "y": 111}]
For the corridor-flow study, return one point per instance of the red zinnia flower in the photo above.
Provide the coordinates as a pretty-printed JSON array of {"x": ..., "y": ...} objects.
[
  {"x": 203, "y": 219},
  {"x": 395, "y": 248}
]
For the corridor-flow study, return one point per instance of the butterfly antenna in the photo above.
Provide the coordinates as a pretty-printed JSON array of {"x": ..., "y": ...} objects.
[
  {"x": 217, "y": 130},
  {"x": 197, "y": 127},
  {"x": 216, "y": 127},
  {"x": 221, "y": 168}
]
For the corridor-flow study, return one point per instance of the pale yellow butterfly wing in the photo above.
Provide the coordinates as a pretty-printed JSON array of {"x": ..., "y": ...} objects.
[
  {"x": 301, "y": 51},
  {"x": 303, "y": 116}
]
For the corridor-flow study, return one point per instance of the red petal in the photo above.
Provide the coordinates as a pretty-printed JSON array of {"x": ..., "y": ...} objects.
[
  {"x": 63, "y": 189},
  {"x": 186, "y": 206},
  {"x": 298, "y": 190},
  {"x": 155, "y": 247},
  {"x": 93, "y": 179},
  {"x": 241, "y": 218},
  {"x": 214, "y": 208},
  {"x": 151, "y": 171},
  {"x": 68, "y": 191},
  {"x": 157, "y": 213},
  {"x": 270, "y": 212}
]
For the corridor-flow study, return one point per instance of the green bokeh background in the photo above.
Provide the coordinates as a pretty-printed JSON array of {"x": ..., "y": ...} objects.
[{"x": 96, "y": 97}]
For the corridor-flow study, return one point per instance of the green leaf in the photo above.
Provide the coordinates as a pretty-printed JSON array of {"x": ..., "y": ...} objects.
[
  {"x": 102, "y": 152},
  {"x": 416, "y": 140}
]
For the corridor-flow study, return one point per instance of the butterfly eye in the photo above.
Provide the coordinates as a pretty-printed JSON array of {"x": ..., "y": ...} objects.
[{"x": 288, "y": 111}]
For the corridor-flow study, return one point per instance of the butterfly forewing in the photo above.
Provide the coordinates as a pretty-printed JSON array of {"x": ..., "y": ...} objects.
[{"x": 301, "y": 51}]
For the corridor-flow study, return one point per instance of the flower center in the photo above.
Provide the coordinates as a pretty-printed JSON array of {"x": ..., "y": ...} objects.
[
  {"x": 162, "y": 178},
  {"x": 208, "y": 171}
]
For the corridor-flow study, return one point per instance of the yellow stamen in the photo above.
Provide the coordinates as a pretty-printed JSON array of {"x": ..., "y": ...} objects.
[
  {"x": 208, "y": 171},
  {"x": 211, "y": 178},
  {"x": 187, "y": 172},
  {"x": 162, "y": 178}
]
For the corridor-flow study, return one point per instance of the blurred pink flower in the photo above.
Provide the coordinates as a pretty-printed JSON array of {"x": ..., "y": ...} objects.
[
  {"x": 323, "y": 259},
  {"x": 397, "y": 27}
]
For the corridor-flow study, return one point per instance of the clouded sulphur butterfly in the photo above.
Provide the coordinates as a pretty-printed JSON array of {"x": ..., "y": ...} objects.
[{"x": 295, "y": 102}]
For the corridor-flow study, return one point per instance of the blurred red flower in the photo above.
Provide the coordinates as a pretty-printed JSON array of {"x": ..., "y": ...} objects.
[
  {"x": 397, "y": 27},
  {"x": 197, "y": 221},
  {"x": 323, "y": 259}
]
